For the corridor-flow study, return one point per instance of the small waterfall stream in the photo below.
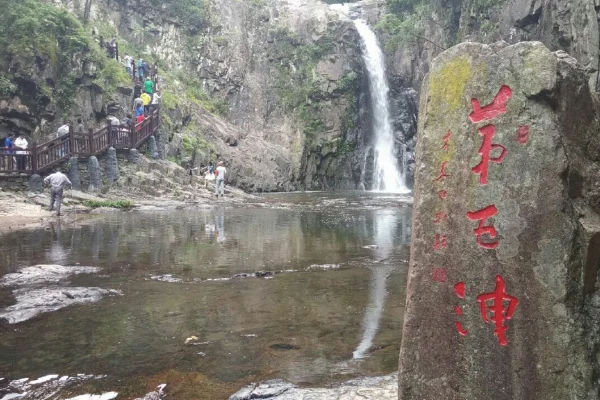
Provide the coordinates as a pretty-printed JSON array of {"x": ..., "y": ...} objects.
[{"x": 387, "y": 175}]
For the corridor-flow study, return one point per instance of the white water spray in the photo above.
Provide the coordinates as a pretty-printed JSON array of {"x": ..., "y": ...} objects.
[{"x": 386, "y": 176}]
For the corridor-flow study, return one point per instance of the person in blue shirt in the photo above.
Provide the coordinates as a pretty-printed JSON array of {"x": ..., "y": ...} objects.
[
  {"x": 8, "y": 163},
  {"x": 9, "y": 143}
]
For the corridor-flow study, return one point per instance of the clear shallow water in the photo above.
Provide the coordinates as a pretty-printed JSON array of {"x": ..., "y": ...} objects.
[{"x": 335, "y": 313}]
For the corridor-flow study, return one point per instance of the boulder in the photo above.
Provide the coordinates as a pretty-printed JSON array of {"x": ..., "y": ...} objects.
[
  {"x": 152, "y": 149},
  {"x": 112, "y": 166},
  {"x": 73, "y": 173},
  {"x": 95, "y": 174},
  {"x": 36, "y": 184},
  {"x": 134, "y": 156},
  {"x": 497, "y": 307}
]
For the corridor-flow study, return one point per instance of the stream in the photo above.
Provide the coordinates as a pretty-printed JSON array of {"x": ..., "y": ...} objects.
[{"x": 305, "y": 287}]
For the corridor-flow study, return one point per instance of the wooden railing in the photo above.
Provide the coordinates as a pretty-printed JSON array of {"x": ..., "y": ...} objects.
[{"x": 41, "y": 157}]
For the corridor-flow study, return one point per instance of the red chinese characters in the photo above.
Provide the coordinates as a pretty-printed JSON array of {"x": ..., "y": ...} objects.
[
  {"x": 499, "y": 314},
  {"x": 489, "y": 230},
  {"x": 459, "y": 289},
  {"x": 443, "y": 175},
  {"x": 485, "y": 150},
  {"x": 491, "y": 307},
  {"x": 492, "y": 110}
]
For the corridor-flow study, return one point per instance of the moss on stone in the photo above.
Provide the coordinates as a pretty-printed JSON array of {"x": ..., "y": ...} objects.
[{"x": 448, "y": 85}]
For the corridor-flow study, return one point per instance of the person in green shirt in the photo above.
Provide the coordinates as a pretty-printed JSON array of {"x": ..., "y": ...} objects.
[{"x": 149, "y": 86}]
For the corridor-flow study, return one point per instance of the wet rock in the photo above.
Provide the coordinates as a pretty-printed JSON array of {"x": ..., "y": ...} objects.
[
  {"x": 103, "y": 396},
  {"x": 73, "y": 173},
  {"x": 284, "y": 346},
  {"x": 158, "y": 394},
  {"x": 377, "y": 388},
  {"x": 134, "y": 156},
  {"x": 38, "y": 274},
  {"x": 152, "y": 149},
  {"x": 46, "y": 387},
  {"x": 36, "y": 184},
  {"x": 506, "y": 163},
  {"x": 95, "y": 174},
  {"x": 112, "y": 166},
  {"x": 31, "y": 302}
]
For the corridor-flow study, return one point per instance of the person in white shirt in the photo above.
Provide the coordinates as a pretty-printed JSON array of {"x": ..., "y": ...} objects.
[
  {"x": 155, "y": 102},
  {"x": 127, "y": 62},
  {"x": 220, "y": 182},
  {"x": 21, "y": 147},
  {"x": 57, "y": 182}
]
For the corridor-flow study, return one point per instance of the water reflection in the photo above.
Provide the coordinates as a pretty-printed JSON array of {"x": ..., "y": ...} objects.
[
  {"x": 297, "y": 326},
  {"x": 386, "y": 224}
]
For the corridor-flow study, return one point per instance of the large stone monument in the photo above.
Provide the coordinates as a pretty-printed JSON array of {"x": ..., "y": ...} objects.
[{"x": 505, "y": 251}]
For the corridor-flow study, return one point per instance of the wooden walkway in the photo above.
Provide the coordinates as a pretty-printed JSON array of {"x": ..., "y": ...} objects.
[{"x": 42, "y": 157}]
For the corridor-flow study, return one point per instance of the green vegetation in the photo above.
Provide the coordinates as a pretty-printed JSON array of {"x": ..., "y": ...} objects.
[
  {"x": 40, "y": 33},
  {"x": 192, "y": 14},
  {"x": 193, "y": 140},
  {"x": 125, "y": 204},
  {"x": 406, "y": 23},
  {"x": 7, "y": 88},
  {"x": 194, "y": 92}
]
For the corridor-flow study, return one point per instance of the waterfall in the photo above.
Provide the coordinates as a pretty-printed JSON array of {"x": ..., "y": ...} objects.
[{"x": 386, "y": 175}]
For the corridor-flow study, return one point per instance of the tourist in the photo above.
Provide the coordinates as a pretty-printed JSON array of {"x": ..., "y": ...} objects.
[
  {"x": 140, "y": 70},
  {"x": 9, "y": 149},
  {"x": 21, "y": 145},
  {"x": 146, "y": 69},
  {"x": 155, "y": 102},
  {"x": 57, "y": 182},
  {"x": 127, "y": 62},
  {"x": 139, "y": 114},
  {"x": 114, "y": 128},
  {"x": 133, "y": 75},
  {"x": 146, "y": 99},
  {"x": 209, "y": 175},
  {"x": 137, "y": 103},
  {"x": 149, "y": 86},
  {"x": 220, "y": 182},
  {"x": 63, "y": 129},
  {"x": 79, "y": 128},
  {"x": 154, "y": 72}
]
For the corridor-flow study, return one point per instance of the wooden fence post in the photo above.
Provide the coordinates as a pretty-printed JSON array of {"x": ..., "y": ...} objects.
[
  {"x": 110, "y": 134},
  {"x": 33, "y": 157},
  {"x": 91, "y": 142},
  {"x": 71, "y": 140}
]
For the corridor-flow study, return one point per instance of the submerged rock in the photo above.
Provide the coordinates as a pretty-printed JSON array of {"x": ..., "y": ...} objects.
[
  {"x": 37, "y": 274},
  {"x": 31, "y": 302},
  {"x": 46, "y": 387},
  {"x": 377, "y": 388}
]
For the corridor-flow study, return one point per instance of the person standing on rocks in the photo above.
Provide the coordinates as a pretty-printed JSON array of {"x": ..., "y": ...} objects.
[
  {"x": 57, "y": 182},
  {"x": 21, "y": 145},
  {"x": 220, "y": 182}
]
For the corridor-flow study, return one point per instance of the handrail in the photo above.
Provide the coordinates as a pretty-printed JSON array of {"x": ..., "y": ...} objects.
[{"x": 40, "y": 157}]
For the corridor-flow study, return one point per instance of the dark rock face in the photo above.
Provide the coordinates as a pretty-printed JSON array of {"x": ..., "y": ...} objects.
[
  {"x": 160, "y": 144},
  {"x": 73, "y": 173},
  {"x": 95, "y": 174},
  {"x": 36, "y": 184},
  {"x": 112, "y": 166},
  {"x": 152, "y": 149},
  {"x": 496, "y": 300}
]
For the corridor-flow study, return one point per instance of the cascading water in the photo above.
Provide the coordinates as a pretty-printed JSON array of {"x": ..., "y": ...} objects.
[{"x": 387, "y": 175}]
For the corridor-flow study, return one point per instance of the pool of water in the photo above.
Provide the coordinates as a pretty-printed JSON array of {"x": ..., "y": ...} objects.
[{"x": 327, "y": 305}]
